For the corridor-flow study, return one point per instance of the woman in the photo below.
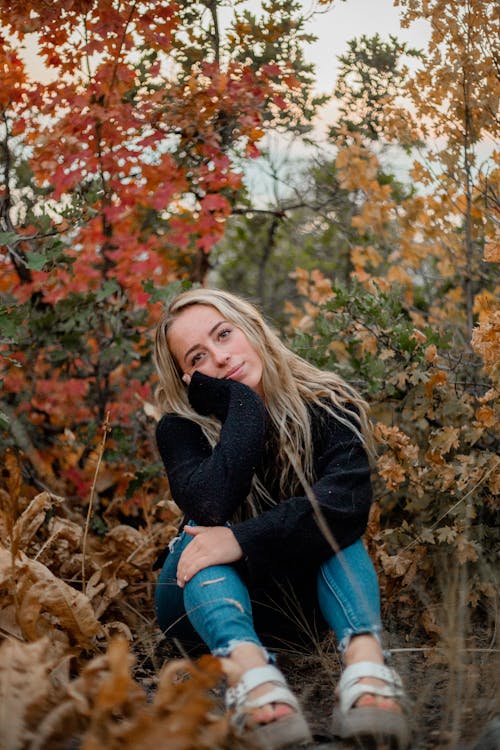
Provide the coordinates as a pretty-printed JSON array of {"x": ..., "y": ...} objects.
[{"x": 267, "y": 457}]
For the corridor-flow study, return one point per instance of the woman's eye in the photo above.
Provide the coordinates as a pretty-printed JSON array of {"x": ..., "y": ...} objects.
[
  {"x": 224, "y": 333},
  {"x": 195, "y": 359}
]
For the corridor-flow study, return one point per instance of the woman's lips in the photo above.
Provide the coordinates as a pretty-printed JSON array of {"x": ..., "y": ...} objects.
[{"x": 233, "y": 372}]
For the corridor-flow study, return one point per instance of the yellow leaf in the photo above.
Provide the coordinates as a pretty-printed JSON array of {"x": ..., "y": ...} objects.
[
  {"x": 362, "y": 255},
  {"x": 434, "y": 457},
  {"x": 32, "y": 518},
  {"x": 391, "y": 471},
  {"x": 395, "y": 565},
  {"x": 418, "y": 336},
  {"x": 446, "y": 534},
  {"x": 438, "y": 378},
  {"x": 484, "y": 303},
  {"x": 338, "y": 348},
  {"x": 398, "y": 275},
  {"x": 490, "y": 395},
  {"x": 115, "y": 688},
  {"x": 368, "y": 343},
  {"x": 466, "y": 550},
  {"x": 445, "y": 439},
  {"x": 431, "y": 353},
  {"x": 494, "y": 481},
  {"x": 492, "y": 251},
  {"x": 486, "y": 342},
  {"x": 486, "y": 415}
]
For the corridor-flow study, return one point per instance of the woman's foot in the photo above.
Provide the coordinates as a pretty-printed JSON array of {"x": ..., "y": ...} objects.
[
  {"x": 367, "y": 648},
  {"x": 262, "y": 705},
  {"x": 244, "y": 657},
  {"x": 370, "y": 697}
]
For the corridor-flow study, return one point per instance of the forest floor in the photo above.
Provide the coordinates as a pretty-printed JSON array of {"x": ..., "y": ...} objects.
[
  {"x": 454, "y": 707},
  {"x": 439, "y": 716}
]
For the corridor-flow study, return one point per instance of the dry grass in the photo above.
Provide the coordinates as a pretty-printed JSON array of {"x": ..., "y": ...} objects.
[{"x": 83, "y": 665}]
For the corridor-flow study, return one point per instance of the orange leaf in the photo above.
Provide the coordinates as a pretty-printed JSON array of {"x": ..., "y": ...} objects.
[{"x": 437, "y": 379}]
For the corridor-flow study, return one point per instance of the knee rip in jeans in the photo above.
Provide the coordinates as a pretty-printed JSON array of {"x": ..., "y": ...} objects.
[
  {"x": 212, "y": 581},
  {"x": 226, "y": 599}
]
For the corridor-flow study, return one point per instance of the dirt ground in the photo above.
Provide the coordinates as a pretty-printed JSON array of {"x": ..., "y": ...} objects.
[
  {"x": 445, "y": 711},
  {"x": 452, "y": 709}
]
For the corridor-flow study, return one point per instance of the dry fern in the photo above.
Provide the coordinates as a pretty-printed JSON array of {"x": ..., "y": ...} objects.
[
  {"x": 45, "y": 603},
  {"x": 51, "y": 627},
  {"x": 24, "y": 690}
]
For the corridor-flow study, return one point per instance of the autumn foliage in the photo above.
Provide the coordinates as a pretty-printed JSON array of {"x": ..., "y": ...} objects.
[
  {"x": 417, "y": 326},
  {"x": 122, "y": 171},
  {"x": 120, "y": 168}
]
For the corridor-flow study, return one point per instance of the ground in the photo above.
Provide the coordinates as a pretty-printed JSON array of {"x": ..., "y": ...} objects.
[{"x": 456, "y": 709}]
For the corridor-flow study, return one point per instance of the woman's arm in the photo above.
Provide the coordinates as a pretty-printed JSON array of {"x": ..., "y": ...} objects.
[
  {"x": 209, "y": 484},
  {"x": 288, "y": 534}
]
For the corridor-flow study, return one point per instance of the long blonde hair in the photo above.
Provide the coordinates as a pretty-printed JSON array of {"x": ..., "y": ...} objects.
[{"x": 289, "y": 382}]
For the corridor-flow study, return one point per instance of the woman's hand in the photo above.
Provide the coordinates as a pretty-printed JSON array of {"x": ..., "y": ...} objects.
[{"x": 212, "y": 545}]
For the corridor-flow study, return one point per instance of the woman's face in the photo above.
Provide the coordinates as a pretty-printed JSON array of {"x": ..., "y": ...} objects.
[{"x": 202, "y": 340}]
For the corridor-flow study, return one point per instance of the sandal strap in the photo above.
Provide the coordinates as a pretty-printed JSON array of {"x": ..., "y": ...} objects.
[
  {"x": 278, "y": 695},
  {"x": 236, "y": 696},
  {"x": 350, "y": 689}
]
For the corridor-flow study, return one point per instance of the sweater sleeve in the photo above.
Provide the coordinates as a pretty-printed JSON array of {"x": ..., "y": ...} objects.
[
  {"x": 209, "y": 484},
  {"x": 288, "y": 534}
]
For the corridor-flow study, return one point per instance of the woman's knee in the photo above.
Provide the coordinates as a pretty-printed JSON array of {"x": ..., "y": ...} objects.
[{"x": 215, "y": 584}]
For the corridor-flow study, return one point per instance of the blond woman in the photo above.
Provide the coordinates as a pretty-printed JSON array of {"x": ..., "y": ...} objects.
[{"x": 267, "y": 457}]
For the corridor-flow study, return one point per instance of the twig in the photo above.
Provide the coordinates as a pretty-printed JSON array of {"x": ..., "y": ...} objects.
[
  {"x": 438, "y": 648},
  {"x": 122, "y": 42},
  {"x": 136, "y": 612},
  {"x": 24, "y": 442},
  {"x": 105, "y": 429}
]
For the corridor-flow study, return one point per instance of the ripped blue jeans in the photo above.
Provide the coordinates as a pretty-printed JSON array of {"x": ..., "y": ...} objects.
[{"x": 220, "y": 609}]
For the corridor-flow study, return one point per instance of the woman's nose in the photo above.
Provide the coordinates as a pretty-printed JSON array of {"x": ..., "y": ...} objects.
[{"x": 221, "y": 358}]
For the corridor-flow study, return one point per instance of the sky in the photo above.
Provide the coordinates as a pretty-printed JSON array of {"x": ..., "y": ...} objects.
[
  {"x": 353, "y": 18},
  {"x": 333, "y": 29}
]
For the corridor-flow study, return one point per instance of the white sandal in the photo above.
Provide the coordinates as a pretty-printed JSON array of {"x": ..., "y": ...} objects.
[
  {"x": 275, "y": 734},
  {"x": 358, "y": 722}
]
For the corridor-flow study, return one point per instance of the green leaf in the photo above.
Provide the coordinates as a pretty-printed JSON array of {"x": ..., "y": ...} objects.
[
  {"x": 109, "y": 287},
  {"x": 36, "y": 261},
  {"x": 166, "y": 293},
  {"x": 7, "y": 238},
  {"x": 4, "y": 421},
  {"x": 11, "y": 319}
]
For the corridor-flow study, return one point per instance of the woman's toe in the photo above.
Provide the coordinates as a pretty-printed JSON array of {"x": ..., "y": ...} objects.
[
  {"x": 271, "y": 712},
  {"x": 378, "y": 701}
]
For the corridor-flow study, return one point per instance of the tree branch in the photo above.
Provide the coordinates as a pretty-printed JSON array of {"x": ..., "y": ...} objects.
[
  {"x": 212, "y": 6},
  {"x": 17, "y": 257}
]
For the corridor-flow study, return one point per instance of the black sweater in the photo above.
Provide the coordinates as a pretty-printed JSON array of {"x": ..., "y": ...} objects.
[{"x": 209, "y": 485}]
